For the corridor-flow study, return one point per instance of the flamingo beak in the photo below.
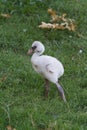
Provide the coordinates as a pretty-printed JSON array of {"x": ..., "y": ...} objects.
[{"x": 30, "y": 51}]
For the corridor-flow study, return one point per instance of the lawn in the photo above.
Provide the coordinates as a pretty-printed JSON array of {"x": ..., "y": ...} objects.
[{"x": 22, "y": 102}]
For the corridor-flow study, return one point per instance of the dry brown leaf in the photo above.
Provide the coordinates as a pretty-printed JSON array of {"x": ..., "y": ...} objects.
[
  {"x": 58, "y": 22},
  {"x": 72, "y": 27},
  {"x": 46, "y": 25},
  {"x": 61, "y": 26},
  {"x": 6, "y": 15},
  {"x": 51, "y": 12},
  {"x": 52, "y": 26},
  {"x": 53, "y": 15},
  {"x": 63, "y": 17},
  {"x": 9, "y": 127}
]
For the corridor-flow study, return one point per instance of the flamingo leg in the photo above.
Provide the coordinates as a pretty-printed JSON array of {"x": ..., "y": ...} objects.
[
  {"x": 61, "y": 92},
  {"x": 46, "y": 88}
]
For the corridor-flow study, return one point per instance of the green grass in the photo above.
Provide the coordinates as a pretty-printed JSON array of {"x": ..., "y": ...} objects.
[{"x": 22, "y": 104}]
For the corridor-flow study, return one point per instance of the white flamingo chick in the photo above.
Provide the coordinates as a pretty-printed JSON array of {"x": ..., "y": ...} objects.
[{"x": 47, "y": 66}]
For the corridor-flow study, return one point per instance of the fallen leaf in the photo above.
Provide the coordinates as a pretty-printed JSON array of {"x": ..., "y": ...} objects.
[
  {"x": 72, "y": 27},
  {"x": 53, "y": 15},
  {"x": 9, "y": 127},
  {"x": 46, "y": 25},
  {"x": 58, "y": 22},
  {"x": 6, "y": 15},
  {"x": 51, "y": 12},
  {"x": 61, "y": 26}
]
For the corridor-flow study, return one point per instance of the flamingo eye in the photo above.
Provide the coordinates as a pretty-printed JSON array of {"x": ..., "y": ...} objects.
[{"x": 34, "y": 47}]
